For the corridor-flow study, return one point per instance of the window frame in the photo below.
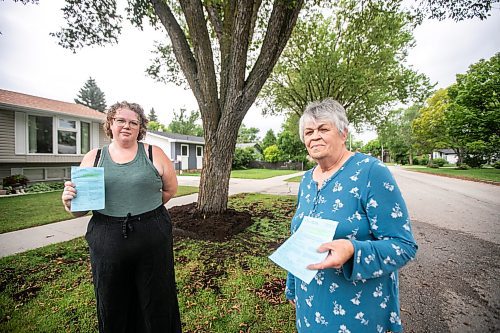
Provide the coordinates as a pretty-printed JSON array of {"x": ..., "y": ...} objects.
[
  {"x": 55, "y": 133},
  {"x": 187, "y": 150}
]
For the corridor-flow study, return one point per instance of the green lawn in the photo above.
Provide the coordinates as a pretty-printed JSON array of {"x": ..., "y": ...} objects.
[
  {"x": 222, "y": 287},
  {"x": 25, "y": 211},
  {"x": 492, "y": 175},
  {"x": 294, "y": 179},
  {"x": 252, "y": 173}
]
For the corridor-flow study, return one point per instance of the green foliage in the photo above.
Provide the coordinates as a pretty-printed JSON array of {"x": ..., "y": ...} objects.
[
  {"x": 430, "y": 126},
  {"x": 433, "y": 165},
  {"x": 186, "y": 124},
  {"x": 269, "y": 139},
  {"x": 92, "y": 96},
  {"x": 421, "y": 160},
  {"x": 247, "y": 134},
  {"x": 439, "y": 161},
  {"x": 156, "y": 126},
  {"x": 45, "y": 187},
  {"x": 496, "y": 165},
  {"x": 396, "y": 135},
  {"x": 242, "y": 157},
  {"x": 15, "y": 180},
  {"x": 272, "y": 154},
  {"x": 463, "y": 166},
  {"x": 290, "y": 147},
  {"x": 474, "y": 114},
  {"x": 152, "y": 115},
  {"x": 356, "y": 56},
  {"x": 373, "y": 148}
]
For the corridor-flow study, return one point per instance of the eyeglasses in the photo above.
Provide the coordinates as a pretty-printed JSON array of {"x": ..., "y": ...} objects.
[{"x": 122, "y": 122}]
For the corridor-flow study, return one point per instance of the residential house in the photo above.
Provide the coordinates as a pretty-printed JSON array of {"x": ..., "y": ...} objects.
[
  {"x": 42, "y": 138},
  {"x": 448, "y": 154},
  {"x": 186, "y": 151}
]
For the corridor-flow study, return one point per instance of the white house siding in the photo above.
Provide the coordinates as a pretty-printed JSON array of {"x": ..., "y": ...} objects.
[
  {"x": 7, "y": 138},
  {"x": 164, "y": 144}
]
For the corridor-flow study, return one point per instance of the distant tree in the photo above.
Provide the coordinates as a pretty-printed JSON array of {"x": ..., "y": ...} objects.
[
  {"x": 290, "y": 147},
  {"x": 152, "y": 115},
  {"x": 92, "y": 96},
  {"x": 473, "y": 117},
  {"x": 272, "y": 154},
  {"x": 269, "y": 139},
  {"x": 429, "y": 127},
  {"x": 373, "y": 148},
  {"x": 156, "y": 126},
  {"x": 247, "y": 134},
  {"x": 396, "y": 134},
  {"x": 356, "y": 56},
  {"x": 186, "y": 124}
]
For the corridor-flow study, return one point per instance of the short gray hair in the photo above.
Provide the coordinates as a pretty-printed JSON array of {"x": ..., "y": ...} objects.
[{"x": 328, "y": 110}]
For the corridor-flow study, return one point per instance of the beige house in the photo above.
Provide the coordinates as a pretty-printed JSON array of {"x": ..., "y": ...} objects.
[{"x": 42, "y": 138}]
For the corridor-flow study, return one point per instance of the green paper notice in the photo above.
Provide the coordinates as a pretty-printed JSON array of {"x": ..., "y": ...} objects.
[{"x": 89, "y": 184}]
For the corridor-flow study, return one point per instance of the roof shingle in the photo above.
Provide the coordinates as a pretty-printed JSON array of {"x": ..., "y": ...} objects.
[{"x": 15, "y": 99}]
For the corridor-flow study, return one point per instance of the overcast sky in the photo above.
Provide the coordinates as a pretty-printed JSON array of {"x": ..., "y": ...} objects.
[{"x": 31, "y": 62}]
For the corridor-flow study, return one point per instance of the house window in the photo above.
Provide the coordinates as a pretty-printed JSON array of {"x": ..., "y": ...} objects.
[
  {"x": 85, "y": 137},
  {"x": 40, "y": 134},
  {"x": 184, "y": 150},
  {"x": 199, "y": 151},
  {"x": 66, "y": 137}
]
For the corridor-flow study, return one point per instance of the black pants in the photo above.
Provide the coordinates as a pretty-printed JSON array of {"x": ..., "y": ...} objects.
[{"x": 133, "y": 272}]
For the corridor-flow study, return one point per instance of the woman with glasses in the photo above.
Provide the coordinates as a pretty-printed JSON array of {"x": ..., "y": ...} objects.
[{"x": 130, "y": 240}]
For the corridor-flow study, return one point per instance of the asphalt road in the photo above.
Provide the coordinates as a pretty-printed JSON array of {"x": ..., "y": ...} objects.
[{"x": 454, "y": 284}]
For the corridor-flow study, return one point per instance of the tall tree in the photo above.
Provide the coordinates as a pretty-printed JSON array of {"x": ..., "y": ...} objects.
[
  {"x": 269, "y": 139},
  {"x": 92, "y": 96},
  {"x": 473, "y": 117},
  {"x": 457, "y": 10},
  {"x": 225, "y": 49},
  {"x": 185, "y": 124},
  {"x": 356, "y": 55},
  {"x": 247, "y": 134},
  {"x": 429, "y": 127},
  {"x": 152, "y": 115},
  {"x": 396, "y": 134}
]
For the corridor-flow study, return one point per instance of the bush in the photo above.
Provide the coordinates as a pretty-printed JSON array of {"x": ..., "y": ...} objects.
[
  {"x": 496, "y": 165},
  {"x": 439, "y": 161},
  {"x": 272, "y": 154},
  {"x": 15, "y": 180},
  {"x": 242, "y": 157},
  {"x": 433, "y": 165},
  {"x": 420, "y": 160},
  {"x": 44, "y": 187},
  {"x": 463, "y": 166}
]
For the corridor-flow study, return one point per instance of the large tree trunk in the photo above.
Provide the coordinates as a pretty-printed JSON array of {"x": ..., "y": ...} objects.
[{"x": 217, "y": 161}]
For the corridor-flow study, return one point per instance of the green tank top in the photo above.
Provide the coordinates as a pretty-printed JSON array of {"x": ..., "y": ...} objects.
[{"x": 133, "y": 187}]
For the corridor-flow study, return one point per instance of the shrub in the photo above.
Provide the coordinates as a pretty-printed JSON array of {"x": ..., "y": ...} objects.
[
  {"x": 15, "y": 180},
  {"x": 463, "y": 166},
  {"x": 44, "y": 187},
  {"x": 433, "y": 165},
  {"x": 272, "y": 154},
  {"x": 496, "y": 165},
  {"x": 439, "y": 161},
  {"x": 242, "y": 157}
]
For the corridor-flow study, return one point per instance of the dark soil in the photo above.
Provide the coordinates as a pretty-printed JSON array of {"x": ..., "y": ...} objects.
[{"x": 187, "y": 222}]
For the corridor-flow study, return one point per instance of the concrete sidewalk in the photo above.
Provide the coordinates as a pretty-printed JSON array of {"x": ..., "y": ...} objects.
[{"x": 32, "y": 238}]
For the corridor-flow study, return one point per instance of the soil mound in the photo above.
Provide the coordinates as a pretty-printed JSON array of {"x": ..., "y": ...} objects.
[{"x": 187, "y": 222}]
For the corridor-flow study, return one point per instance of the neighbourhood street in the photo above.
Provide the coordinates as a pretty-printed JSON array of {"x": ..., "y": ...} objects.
[{"x": 453, "y": 285}]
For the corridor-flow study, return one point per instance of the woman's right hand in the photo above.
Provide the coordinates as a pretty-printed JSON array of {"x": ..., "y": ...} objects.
[{"x": 68, "y": 194}]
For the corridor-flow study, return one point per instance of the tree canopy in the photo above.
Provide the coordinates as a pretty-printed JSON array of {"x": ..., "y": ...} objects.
[
  {"x": 92, "y": 96},
  {"x": 355, "y": 55},
  {"x": 152, "y": 115},
  {"x": 186, "y": 124},
  {"x": 247, "y": 134}
]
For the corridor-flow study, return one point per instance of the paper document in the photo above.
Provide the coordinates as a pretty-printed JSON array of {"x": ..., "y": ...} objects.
[
  {"x": 300, "y": 249},
  {"x": 89, "y": 183}
]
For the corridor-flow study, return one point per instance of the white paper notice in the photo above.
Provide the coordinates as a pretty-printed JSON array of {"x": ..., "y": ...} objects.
[
  {"x": 89, "y": 183},
  {"x": 300, "y": 249}
]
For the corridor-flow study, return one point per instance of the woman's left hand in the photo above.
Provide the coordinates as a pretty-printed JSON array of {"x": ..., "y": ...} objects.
[{"x": 340, "y": 250}]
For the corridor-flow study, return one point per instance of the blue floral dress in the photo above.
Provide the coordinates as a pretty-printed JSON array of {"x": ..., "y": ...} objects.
[{"x": 363, "y": 295}]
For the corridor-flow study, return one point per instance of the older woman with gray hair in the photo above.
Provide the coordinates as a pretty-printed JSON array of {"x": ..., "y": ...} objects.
[{"x": 356, "y": 287}]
